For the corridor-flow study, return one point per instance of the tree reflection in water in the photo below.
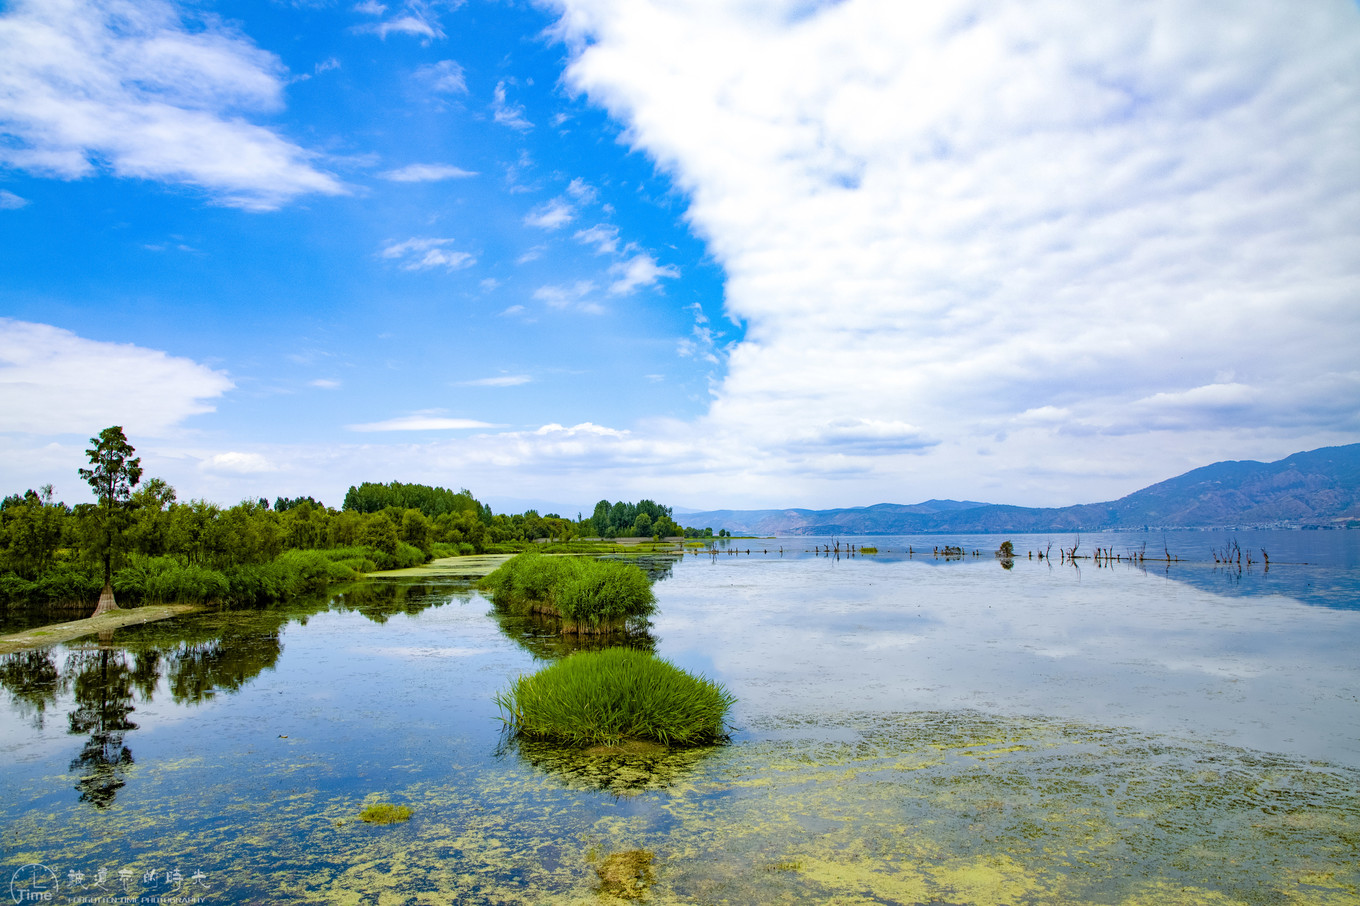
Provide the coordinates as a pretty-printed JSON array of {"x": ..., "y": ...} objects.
[
  {"x": 100, "y": 684},
  {"x": 103, "y": 688}
]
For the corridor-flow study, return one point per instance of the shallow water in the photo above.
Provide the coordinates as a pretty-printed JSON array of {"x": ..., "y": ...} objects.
[{"x": 909, "y": 730}]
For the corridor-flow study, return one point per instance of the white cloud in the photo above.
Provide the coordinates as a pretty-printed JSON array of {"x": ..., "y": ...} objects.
[
  {"x": 504, "y": 380},
  {"x": 582, "y": 191},
  {"x": 574, "y": 295},
  {"x": 969, "y": 221},
  {"x": 133, "y": 89},
  {"x": 422, "y": 421},
  {"x": 11, "y": 202},
  {"x": 639, "y": 271},
  {"x": 426, "y": 173},
  {"x": 55, "y": 382},
  {"x": 507, "y": 113},
  {"x": 238, "y": 463},
  {"x": 325, "y": 384},
  {"x": 603, "y": 236},
  {"x": 444, "y": 77},
  {"x": 420, "y": 254},
  {"x": 552, "y": 215},
  {"x": 417, "y": 18}
]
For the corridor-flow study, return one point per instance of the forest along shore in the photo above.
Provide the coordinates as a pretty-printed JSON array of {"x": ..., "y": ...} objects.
[{"x": 65, "y": 632}]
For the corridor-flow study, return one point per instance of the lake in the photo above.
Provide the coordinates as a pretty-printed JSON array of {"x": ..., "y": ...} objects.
[{"x": 910, "y": 728}]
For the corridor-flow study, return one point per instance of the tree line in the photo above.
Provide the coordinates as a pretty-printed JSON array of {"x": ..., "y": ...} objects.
[{"x": 143, "y": 544}]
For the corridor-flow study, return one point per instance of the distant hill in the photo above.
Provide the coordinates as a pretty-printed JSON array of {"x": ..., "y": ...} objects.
[{"x": 1318, "y": 488}]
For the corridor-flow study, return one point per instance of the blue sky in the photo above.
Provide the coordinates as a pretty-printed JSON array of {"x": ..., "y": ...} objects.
[{"x": 718, "y": 254}]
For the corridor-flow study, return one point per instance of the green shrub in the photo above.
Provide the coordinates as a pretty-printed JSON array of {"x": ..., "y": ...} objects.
[{"x": 608, "y": 697}]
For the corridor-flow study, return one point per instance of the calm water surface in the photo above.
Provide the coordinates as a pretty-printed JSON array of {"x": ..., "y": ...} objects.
[{"x": 909, "y": 729}]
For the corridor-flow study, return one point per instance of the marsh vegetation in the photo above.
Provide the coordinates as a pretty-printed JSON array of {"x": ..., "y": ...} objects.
[
  {"x": 585, "y": 595},
  {"x": 610, "y": 697}
]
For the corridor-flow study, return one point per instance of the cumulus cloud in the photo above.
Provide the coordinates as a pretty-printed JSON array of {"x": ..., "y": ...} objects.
[
  {"x": 54, "y": 382},
  {"x": 1002, "y": 226},
  {"x": 134, "y": 89},
  {"x": 420, "y": 254}
]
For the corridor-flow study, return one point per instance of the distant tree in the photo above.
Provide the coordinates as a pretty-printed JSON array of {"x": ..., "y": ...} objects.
[
  {"x": 282, "y": 504},
  {"x": 112, "y": 476}
]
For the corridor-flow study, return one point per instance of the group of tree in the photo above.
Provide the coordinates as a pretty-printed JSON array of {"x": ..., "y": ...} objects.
[
  {"x": 142, "y": 544},
  {"x": 644, "y": 519}
]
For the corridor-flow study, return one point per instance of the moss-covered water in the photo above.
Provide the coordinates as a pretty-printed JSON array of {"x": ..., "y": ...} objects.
[{"x": 893, "y": 745}]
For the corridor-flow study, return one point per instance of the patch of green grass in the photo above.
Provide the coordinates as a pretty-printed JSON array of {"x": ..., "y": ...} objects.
[
  {"x": 385, "y": 813},
  {"x": 868, "y": 550},
  {"x": 608, "y": 697}
]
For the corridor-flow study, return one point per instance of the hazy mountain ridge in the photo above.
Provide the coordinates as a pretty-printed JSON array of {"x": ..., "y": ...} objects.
[{"x": 1312, "y": 488}]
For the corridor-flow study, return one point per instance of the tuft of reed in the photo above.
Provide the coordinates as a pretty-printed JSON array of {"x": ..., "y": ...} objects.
[
  {"x": 588, "y": 596},
  {"x": 608, "y": 697}
]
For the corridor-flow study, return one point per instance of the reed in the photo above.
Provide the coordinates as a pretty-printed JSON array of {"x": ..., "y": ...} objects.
[
  {"x": 587, "y": 596},
  {"x": 613, "y": 696}
]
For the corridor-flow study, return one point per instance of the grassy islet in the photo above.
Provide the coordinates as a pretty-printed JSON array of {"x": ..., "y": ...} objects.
[{"x": 612, "y": 696}]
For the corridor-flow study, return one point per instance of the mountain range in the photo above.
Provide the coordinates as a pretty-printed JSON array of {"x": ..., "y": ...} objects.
[{"x": 1313, "y": 489}]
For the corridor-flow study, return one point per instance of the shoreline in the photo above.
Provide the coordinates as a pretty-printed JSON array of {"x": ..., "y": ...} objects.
[{"x": 55, "y": 633}]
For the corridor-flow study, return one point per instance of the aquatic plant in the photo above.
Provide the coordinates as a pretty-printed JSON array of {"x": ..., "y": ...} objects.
[
  {"x": 626, "y": 875},
  {"x": 608, "y": 697},
  {"x": 385, "y": 813},
  {"x": 588, "y": 596}
]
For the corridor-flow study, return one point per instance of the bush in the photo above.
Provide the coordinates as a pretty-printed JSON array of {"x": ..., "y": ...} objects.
[
  {"x": 588, "y": 596},
  {"x": 608, "y": 697}
]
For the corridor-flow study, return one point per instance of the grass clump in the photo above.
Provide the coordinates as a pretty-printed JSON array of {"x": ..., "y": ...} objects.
[
  {"x": 608, "y": 697},
  {"x": 385, "y": 813},
  {"x": 588, "y": 596}
]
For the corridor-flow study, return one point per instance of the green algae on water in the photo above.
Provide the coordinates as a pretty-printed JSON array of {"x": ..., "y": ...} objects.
[{"x": 385, "y": 813}]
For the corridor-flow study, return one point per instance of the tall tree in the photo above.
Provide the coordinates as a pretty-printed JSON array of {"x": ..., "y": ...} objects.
[{"x": 113, "y": 474}]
